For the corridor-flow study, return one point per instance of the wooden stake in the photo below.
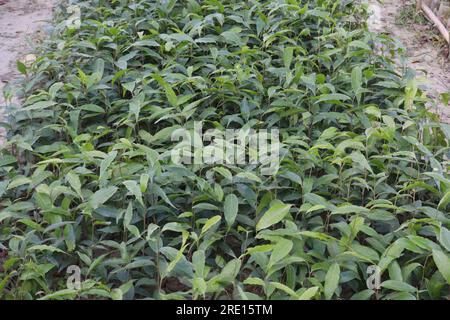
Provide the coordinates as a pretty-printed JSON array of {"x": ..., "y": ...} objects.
[{"x": 442, "y": 29}]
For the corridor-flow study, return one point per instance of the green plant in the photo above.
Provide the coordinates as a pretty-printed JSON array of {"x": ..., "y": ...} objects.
[
  {"x": 87, "y": 179},
  {"x": 408, "y": 15}
]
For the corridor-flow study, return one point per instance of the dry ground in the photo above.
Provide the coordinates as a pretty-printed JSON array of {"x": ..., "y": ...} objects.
[
  {"x": 424, "y": 52},
  {"x": 22, "y": 24}
]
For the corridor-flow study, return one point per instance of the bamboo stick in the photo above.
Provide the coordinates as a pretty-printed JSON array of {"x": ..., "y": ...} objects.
[
  {"x": 418, "y": 5},
  {"x": 442, "y": 29}
]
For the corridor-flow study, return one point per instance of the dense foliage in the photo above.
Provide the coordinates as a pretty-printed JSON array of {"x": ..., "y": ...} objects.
[{"x": 87, "y": 178}]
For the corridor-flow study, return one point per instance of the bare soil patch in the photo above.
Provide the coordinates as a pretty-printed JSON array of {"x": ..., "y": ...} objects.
[
  {"x": 22, "y": 25},
  {"x": 425, "y": 52}
]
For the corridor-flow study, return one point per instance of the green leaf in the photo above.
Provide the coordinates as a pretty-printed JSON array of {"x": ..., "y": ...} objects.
[
  {"x": 69, "y": 237},
  {"x": 198, "y": 261},
  {"x": 260, "y": 248},
  {"x": 116, "y": 294},
  {"x": 210, "y": 223},
  {"x": 231, "y": 207},
  {"x": 285, "y": 289},
  {"x": 280, "y": 250},
  {"x": 101, "y": 196},
  {"x": 360, "y": 44},
  {"x": 232, "y": 36},
  {"x": 275, "y": 214},
  {"x": 128, "y": 215},
  {"x": 136, "y": 104},
  {"x": 31, "y": 224},
  {"x": 363, "y": 295},
  {"x": 444, "y": 238},
  {"x": 309, "y": 293},
  {"x": 287, "y": 57},
  {"x": 254, "y": 281},
  {"x": 44, "y": 247},
  {"x": 442, "y": 262},
  {"x": 18, "y": 181},
  {"x": 331, "y": 280},
  {"x": 332, "y": 97},
  {"x": 92, "y": 107},
  {"x": 444, "y": 201},
  {"x": 356, "y": 78},
  {"x": 350, "y": 209},
  {"x": 170, "y": 94},
  {"x": 39, "y": 106},
  {"x": 66, "y": 294},
  {"x": 21, "y": 67},
  {"x": 360, "y": 159},
  {"x": 104, "y": 165},
  {"x": 398, "y": 286},
  {"x": 143, "y": 182},
  {"x": 224, "y": 172},
  {"x": 134, "y": 231},
  {"x": 75, "y": 183},
  {"x": 135, "y": 190}
]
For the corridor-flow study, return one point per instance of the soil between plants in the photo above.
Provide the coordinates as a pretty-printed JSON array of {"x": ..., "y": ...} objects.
[
  {"x": 424, "y": 54},
  {"x": 22, "y": 26}
]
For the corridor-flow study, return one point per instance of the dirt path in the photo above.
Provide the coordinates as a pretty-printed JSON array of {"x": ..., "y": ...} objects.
[
  {"x": 22, "y": 24},
  {"x": 423, "y": 55}
]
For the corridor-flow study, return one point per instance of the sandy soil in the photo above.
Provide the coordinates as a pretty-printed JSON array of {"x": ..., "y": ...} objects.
[
  {"x": 423, "y": 55},
  {"x": 22, "y": 24}
]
